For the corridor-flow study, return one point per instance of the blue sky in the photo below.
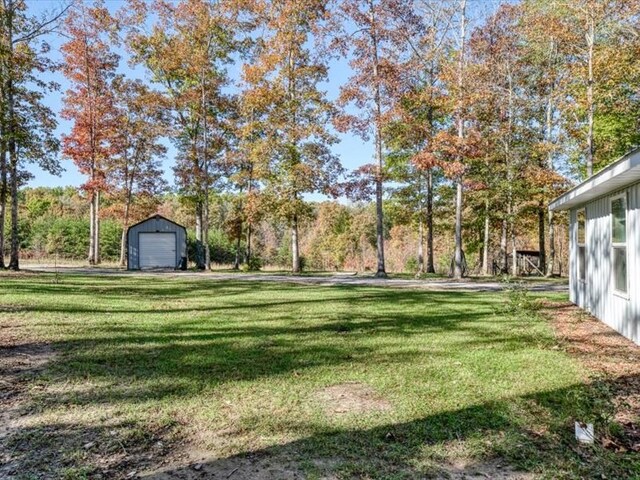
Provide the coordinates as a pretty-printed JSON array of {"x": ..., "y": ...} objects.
[{"x": 351, "y": 149}]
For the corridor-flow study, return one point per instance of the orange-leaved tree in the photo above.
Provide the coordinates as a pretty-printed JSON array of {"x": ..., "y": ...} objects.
[
  {"x": 90, "y": 64},
  {"x": 291, "y": 114},
  {"x": 186, "y": 51},
  {"x": 374, "y": 38}
]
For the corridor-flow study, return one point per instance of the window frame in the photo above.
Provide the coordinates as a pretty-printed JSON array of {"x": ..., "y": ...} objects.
[
  {"x": 615, "y": 245},
  {"x": 582, "y": 262}
]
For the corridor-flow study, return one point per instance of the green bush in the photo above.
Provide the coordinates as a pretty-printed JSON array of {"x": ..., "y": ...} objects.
[
  {"x": 65, "y": 237},
  {"x": 518, "y": 300},
  {"x": 411, "y": 265},
  {"x": 68, "y": 238},
  {"x": 221, "y": 249},
  {"x": 253, "y": 265},
  {"x": 110, "y": 237}
]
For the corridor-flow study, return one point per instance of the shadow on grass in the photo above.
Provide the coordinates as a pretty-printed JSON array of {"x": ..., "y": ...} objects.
[
  {"x": 415, "y": 449},
  {"x": 130, "y": 361},
  {"x": 137, "y": 364},
  {"x": 181, "y": 361},
  {"x": 421, "y": 448},
  {"x": 214, "y": 345}
]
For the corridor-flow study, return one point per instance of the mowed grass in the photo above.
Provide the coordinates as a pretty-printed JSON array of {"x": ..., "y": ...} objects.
[{"x": 229, "y": 367}]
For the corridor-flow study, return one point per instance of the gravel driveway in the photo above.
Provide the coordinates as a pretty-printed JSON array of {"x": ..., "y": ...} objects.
[{"x": 442, "y": 284}]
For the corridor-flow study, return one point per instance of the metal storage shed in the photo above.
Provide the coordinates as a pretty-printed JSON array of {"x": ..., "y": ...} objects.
[
  {"x": 604, "y": 262},
  {"x": 156, "y": 242}
]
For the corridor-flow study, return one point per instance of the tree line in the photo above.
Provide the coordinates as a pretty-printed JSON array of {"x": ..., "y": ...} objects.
[
  {"x": 333, "y": 236},
  {"x": 488, "y": 113}
]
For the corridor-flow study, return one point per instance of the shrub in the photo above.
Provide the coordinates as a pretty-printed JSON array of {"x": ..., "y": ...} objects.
[
  {"x": 411, "y": 265},
  {"x": 518, "y": 300},
  {"x": 69, "y": 238},
  {"x": 110, "y": 237},
  {"x": 253, "y": 265}
]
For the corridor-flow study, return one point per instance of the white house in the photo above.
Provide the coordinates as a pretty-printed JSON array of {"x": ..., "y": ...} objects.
[{"x": 604, "y": 266}]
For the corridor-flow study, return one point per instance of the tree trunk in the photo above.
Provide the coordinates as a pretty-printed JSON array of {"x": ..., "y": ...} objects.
[
  {"x": 205, "y": 234},
  {"x": 199, "y": 238},
  {"x": 3, "y": 158},
  {"x": 92, "y": 226},
  {"x": 381, "y": 271},
  {"x": 123, "y": 240},
  {"x": 503, "y": 248},
  {"x": 550, "y": 166},
  {"x": 485, "y": 241},
  {"x": 590, "y": 37},
  {"x": 123, "y": 247},
  {"x": 295, "y": 251},
  {"x": 420, "y": 246},
  {"x": 541, "y": 237},
  {"x": 514, "y": 255},
  {"x": 552, "y": 244},
  {"x": 3, "y": 195},
  {"x": 97, "y": 230},
  {"x": 430, "y": 263},
  {"x": 249, "y": 190},
  {"x": 236, "y": 263},
  {"x": 458, "y": 255},
  {"x": 510, "y": 178},
  {"x": 248, "y": 259},
  {"x": 457, "y": 259},
  {"x": 14, "y": 260},
  {"x": 14, "y": 257},
  {"x": 205, "y": 164}
]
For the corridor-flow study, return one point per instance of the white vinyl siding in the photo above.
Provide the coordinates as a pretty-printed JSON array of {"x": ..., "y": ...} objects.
[
  {"x": 157, "y": 250},
  {"x": 597, "y": 294}
]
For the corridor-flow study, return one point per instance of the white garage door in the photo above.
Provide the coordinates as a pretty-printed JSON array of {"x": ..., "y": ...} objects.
[{"x": 157, "y": 250}]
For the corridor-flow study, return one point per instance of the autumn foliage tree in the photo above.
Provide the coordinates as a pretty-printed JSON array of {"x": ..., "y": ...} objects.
[
  {"x": 135, "y": 174},
  {"x": 416, "y": 117},
  {"x": 186, "y": 51},
  {"x": 283, "y": 92},
  {"x": 90, "y": 66},
  {"x": 373, "y": 37}
]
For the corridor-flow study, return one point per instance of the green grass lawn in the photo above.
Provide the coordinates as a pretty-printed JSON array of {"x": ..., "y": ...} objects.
[{"x": 229, "y": 367}]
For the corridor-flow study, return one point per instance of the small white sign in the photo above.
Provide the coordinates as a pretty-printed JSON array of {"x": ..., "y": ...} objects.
[{"x": 584, "y": 432}]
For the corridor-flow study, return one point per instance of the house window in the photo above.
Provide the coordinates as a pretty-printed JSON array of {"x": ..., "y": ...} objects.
[
  {"x": 619, "y": 243},
  {"x": 582, "y": 249}
]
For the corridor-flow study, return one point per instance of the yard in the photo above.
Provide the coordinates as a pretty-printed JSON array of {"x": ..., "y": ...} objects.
[{"x": 146, "y": 377}]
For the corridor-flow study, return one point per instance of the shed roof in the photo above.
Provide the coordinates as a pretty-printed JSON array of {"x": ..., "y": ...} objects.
[
  {"x": 621, "y": 173},
  {"x": 157, "y": 216}
]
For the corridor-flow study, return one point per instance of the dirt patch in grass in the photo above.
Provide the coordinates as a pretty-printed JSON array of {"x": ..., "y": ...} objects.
[
  {"x": 494, "y": 469},
  {"x": 265, "y": 466},
  {"x": 351, "y": 397},
  {"x": 612, "y": 359},
  {"x": 258, "y": 466}
]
